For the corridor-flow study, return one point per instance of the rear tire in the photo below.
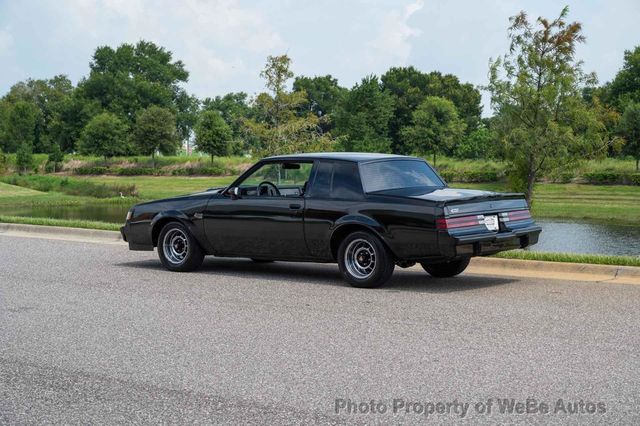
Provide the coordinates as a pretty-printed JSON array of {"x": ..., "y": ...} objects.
[
  {"x": 364, "y": 260},
  {"x": 178, "y": 249},
  {"x": 446, "y": 269}
]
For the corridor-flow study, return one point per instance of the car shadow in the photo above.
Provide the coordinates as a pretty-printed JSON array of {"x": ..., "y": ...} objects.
[{"x": 414, "y": 280}]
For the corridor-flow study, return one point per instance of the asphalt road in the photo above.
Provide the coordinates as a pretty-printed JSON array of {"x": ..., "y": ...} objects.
[{"x": 93, "y": 333}]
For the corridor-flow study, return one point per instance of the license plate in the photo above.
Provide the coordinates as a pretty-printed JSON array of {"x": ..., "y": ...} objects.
[{"x": 491, "y": 222}]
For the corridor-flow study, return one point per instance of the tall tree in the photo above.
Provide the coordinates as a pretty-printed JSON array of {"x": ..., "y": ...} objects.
[
  {"x": 435, "y": 127},
  {"x": 212, "y": 134},
  {"x": 630, "y": 129},
  {"x": 130, "y": 78},
  {"x": 276, "y": 125},
  {"x": 362, "y": 117},
  {"x": 21, "y": 127},
  {"x": 410, "y": 87},
  {"x": 323, "y": 95},
  {"x": 536, "y": 91},
  {"x": 105, "y": 135},
  {"x": 155, "y": 131},
  {"x": 625, "y": 87}
]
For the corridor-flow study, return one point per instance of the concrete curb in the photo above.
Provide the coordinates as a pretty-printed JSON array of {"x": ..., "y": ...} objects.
[
  {"x": 555, "y": 270},
  {"x": 60, "y": 233},
  {"x": 479, "y": 265}
]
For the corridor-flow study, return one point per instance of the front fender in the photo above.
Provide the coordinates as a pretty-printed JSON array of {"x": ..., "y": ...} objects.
[{"x": 193, "y": 224}]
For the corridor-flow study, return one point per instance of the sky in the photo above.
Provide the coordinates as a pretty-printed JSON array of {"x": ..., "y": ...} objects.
[{"x": 224, "y": 43}]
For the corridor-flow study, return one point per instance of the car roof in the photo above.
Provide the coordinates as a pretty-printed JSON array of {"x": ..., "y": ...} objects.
[{"x": 345, "y": 156}]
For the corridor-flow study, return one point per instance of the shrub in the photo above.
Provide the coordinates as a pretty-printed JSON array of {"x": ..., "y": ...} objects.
[
  {"x": 92, "y": 170},
  {"x": 214, "y": 170},
  {"x": 137, "y": 171},
  {"x": 604, "y": 177},
  {"x": 634, "y": 179}
]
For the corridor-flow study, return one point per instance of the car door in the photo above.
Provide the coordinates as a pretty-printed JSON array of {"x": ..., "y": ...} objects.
[{"x": 262, "y": 225}]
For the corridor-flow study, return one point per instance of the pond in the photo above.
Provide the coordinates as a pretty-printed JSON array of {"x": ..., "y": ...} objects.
[{"x": 557, "y": 235}]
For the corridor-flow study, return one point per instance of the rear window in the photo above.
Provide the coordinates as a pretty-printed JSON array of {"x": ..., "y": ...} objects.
[{"x": 398, "y": 174}]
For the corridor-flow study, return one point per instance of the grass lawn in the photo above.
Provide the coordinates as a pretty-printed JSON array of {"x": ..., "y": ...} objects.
[
  {"x": 612, "y": 203},
  {"x": 154, "y": 187}
]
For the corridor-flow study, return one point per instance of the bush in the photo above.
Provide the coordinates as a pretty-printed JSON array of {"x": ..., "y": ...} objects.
[
  {"x": 92, "y": 170},
  {"x": 137, "y": 171},
  {"x": 634, "y": 179},
  {"x": 214, "y": 170},
  {"x": 604, "y": 177}
]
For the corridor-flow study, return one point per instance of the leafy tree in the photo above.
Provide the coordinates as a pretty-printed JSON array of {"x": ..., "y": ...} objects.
[
  {"x": 276, "y": 126},
  {"x": 630, "y": 129},
  {"x": 362, "y": 117},
  {"x": 536, "y": 91},
  {"x": 481, "y": 143},
  {"x": 435, "y": 127},
  {"x": 323, "y": 95},
  {"x": 130, "y": 78},
  {"x": 105, "y": 135},
  {"x": 56, "y": 156},
  {"x": 46, "y": 96},
  {"x": 410, "y": 87},
  {"x": 22, "y": 119},
  {"x": 212, "y": 134},
  {"x": 24, "y": 157},
  {"x": 155, "y": 130},
  {"x": 234, "y": 109},
  {"x": 69, "y": 120},
  {"x": 625, "y": 87}
]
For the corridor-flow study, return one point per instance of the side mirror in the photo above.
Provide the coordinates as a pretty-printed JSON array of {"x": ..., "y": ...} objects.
[{"x": 235, "y": 193}]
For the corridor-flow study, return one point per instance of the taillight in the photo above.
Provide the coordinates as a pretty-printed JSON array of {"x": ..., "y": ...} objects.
[
  {"x": 515, "y": 216},
  {"x": 459, "y": 222}
]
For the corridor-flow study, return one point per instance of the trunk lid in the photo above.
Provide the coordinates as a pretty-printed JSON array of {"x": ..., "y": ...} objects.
[{"x": 468, "y": 201}]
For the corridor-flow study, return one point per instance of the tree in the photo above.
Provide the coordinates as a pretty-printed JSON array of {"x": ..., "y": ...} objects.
[
  {"x": 21, "y": 125},
  {"x": 155, "y": 130},
  {"x": 104, "y": 135},
  {"x": 625, "y": 87},
  {"x": 24, "y": 157},
  {"x": 212, "y": 134},
  {"x": 630, "y": 129},
  {"x": 276, "y": 126},
  {"x": 536, "y": 91},
  {"x": 481, "y": 143},
  {"x": 435, "y": 127},
  {"x": 410, "y": 87},
  {"x": 130, "y": 78},
  {"x": 234, "y": 109},
  {"x": 323, "y": 95},
  {"x": 362, "y": 117},
  {"x": 56, "y": 156}
]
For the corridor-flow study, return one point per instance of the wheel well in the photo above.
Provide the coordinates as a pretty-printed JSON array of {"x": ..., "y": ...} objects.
[
  {"x": 342, "y": 232},
  {"x": 157, "y": 227}
]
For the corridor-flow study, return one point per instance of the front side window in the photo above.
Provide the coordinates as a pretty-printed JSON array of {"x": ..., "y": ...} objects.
[
  {"x": 277, "y": 180},
  {"x": 398, "y": 174}
]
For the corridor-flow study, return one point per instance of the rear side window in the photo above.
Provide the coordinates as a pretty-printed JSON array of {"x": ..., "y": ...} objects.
[
  {"x": 337, "y": 180},
  {"x": 346, "y": 181}
]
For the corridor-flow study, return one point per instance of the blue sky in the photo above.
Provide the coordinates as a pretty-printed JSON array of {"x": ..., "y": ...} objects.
[{"x": 224, "y": 43}]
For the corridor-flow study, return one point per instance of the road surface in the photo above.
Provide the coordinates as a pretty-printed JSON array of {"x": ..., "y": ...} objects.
[{"x": 93, "y": 333}]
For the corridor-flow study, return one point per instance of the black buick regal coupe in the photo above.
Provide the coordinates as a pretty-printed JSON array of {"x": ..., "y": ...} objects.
[{"x": 367, "y": 212}]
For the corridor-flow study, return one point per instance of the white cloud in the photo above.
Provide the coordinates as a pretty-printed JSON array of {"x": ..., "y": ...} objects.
[{"x": 392, "y": 45}]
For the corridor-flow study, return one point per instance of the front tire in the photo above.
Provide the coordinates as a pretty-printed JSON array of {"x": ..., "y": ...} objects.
[
  {"x": 364, "y": 260},
  {"x": 178, "y": 249},
  {"x": 446, "y": 269}
]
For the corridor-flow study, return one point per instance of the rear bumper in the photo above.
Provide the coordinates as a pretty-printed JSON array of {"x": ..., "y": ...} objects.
[{"x": 486, "y": 244}]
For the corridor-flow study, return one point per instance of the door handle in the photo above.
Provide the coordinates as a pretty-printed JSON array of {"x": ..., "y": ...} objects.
[{"x": 295, "y": 206}]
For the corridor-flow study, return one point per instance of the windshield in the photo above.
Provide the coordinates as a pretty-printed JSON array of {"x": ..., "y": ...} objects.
[{"x": 398, "y": 174}]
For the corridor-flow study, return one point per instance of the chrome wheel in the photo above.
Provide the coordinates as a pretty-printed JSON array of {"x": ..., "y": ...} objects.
[
  {"x": 176, "y": 246},
  {"x": 360, "y": 259}
]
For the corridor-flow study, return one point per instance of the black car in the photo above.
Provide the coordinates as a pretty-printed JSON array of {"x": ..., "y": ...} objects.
[{"x": 367, "y": 212}]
